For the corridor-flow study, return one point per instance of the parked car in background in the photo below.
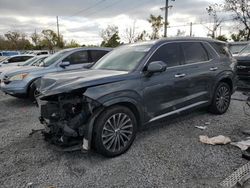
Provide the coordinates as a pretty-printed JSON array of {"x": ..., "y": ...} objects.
[
  {"x": 4, "y": 54},
  {"x": 243, "y": 68},
  {"x": 132, "y": 86},
  {"x": 31, "y": 62},
  {"x": 20, "y": 83},
  {"x": 236, "y": 47},
  {"x": 16, "y": 59}
]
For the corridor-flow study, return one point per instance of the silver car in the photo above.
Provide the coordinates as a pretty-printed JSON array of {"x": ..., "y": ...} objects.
[{"x": 20, "y": 83}]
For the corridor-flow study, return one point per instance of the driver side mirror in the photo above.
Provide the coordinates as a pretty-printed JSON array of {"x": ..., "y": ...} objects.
[
  {"x": 65, "y": 64},
  {"x": 156, "y": 67}
]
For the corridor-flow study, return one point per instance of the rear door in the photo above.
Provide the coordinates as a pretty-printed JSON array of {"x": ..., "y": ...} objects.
[{"x": 200, "y": 68}]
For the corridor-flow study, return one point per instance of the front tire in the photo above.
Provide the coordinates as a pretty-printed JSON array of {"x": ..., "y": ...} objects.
[
  {"x": 32, "y": 92},
  {"x": 221, "y": 99},
  {"x": 115, "y": 131}
]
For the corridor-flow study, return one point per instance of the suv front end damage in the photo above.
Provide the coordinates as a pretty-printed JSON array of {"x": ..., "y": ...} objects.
[{"x": 67, "y": 118}]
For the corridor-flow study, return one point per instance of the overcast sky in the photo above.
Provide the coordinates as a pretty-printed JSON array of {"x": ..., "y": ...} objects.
[{"x": 83, "y": 20}]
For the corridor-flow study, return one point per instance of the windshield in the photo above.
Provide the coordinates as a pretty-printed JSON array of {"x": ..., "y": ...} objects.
[
  {"x": 246, "y": 50},
  {"x": 125, "y": 58},
  {"x": 52, "y": 59},
  {"x": 28, "y": 62},
  {"x": 235, "y": 49}
]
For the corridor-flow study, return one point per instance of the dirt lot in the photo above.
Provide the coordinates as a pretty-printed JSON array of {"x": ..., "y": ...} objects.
[{"x": 167, "y": 154}]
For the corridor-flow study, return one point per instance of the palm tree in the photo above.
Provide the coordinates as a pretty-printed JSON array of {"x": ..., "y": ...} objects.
[{"x": 156, "y": 23}]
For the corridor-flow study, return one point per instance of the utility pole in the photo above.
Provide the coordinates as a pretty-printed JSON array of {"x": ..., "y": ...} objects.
[
  {"x": 166, "y": 17},
  {"x": 166, "y": 20},
  {"x": 58, "y": 32},
  {"x": 191, "y": 29},
  {"x": 220, "y": 30}
]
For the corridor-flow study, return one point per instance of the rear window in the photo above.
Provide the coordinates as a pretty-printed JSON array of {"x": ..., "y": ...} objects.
[
  {"x": 194, "y": 52},
  {"x": 222, "y": 49}
]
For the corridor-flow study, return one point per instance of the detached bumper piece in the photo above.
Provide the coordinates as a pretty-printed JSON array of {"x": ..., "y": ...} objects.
[{"x": 65, "y": 118}]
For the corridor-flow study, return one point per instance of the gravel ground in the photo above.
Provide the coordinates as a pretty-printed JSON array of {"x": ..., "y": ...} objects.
[{"x": 167, "y": 154}]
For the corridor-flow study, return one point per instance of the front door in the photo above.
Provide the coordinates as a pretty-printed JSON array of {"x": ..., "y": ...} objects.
[
  {"x": 77, "y": 60},
  {"x": 164, "y": 92}
]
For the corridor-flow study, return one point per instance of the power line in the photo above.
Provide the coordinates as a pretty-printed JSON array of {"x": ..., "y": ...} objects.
[
  {"x": 88, "y": 8},
  {"x": 115, "y": 3}
]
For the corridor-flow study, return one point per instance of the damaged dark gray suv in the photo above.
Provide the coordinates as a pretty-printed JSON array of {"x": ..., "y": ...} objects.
[{"x": 135, "y": 85}]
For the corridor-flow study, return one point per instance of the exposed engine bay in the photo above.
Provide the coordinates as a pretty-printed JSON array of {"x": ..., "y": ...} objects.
[{"x": 65, "y": 117}]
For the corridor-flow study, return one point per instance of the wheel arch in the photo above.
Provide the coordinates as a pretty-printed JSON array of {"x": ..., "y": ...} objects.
[{"x": 130, "y": 103}]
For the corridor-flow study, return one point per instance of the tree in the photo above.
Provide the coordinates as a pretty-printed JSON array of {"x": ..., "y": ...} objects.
[
  {"x": 72, "y": 44},
  {"x": 222, "y": 38},
  {"x": 130, "y": 34},
  {"x": 156, "y": 23},
  {"x": 142, "y": 36},
  {"x": 113, "y": 42},
  {"x": 212, "y": 11},
  {"x": 110, "y": 37},
  {"x": 241, "y": 11},
  {"x": 49, "y": 39},
  {"x": 35, "y": 38},
  {"x": 240, "y": 36},
  {"x": 17, "y": 41},
  {"x": 13, "y": 37}
]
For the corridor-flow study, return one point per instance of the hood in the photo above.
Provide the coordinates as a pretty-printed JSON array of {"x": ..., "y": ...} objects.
[
  {"x": 8, "y": 68},
  {"x": 66, "y": 82},
  {"x": 23, "y": 69},
  {"x": 243, "y": 58}
]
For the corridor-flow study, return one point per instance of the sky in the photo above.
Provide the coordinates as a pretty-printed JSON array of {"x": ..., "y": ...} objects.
[{"x": 83, "y": 20}]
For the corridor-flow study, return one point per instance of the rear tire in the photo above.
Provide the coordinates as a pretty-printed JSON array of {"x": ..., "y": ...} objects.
[
  {"x": 221, "y": 99},
  {"x": 115, "y": 131}
]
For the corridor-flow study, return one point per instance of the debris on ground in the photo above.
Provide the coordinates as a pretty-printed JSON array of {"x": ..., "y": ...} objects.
[
  {"x": 239, "y": 177},
  {"x": 201, "y": 127},
  {"x": 207, "y": 123},
  {"x": 218, "y": 140},
  {"x": 243, "y": 145},
  {"x": 29, "y": 185}
]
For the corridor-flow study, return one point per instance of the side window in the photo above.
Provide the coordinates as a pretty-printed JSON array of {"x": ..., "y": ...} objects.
[
  {"x": 14, "y": 60},
  {"x": 168, "y": 53},
  {"x": 97, "y": 54},
  {"x": 25, "y": 58},
  {"x": 78, "y": 58},
  {"x": 194, "y": 52}
]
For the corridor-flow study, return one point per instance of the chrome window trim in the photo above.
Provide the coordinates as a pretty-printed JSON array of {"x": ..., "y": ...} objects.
[
  {"x": 170, "y": 42},
  {"x": 178, "y": 111}
]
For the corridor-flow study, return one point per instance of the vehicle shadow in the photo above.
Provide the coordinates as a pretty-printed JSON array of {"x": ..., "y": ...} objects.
[{"x": 18, "y": 103}]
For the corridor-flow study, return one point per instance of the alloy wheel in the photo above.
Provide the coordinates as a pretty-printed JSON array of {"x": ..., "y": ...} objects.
[
  {"x": 117, "y": 132},
  {"x": 223, "y": 98}
]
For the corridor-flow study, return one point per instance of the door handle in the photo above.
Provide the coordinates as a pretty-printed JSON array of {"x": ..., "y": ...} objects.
[
  {"x": 180, "y": 75},
  {"x": 213, "y": 68}
]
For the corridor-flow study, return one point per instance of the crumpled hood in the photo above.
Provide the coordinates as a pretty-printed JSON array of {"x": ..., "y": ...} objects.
[{"x": 65, "y": 82}]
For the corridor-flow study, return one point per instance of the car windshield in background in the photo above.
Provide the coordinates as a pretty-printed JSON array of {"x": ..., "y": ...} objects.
[
  {"x": 246, "y": 50},
  {"x": 125, "y": 58},
  {"x": 52, "y": 59},
  {"x": 235, "y": 49},
  {"x": 28, "y": 62}
]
